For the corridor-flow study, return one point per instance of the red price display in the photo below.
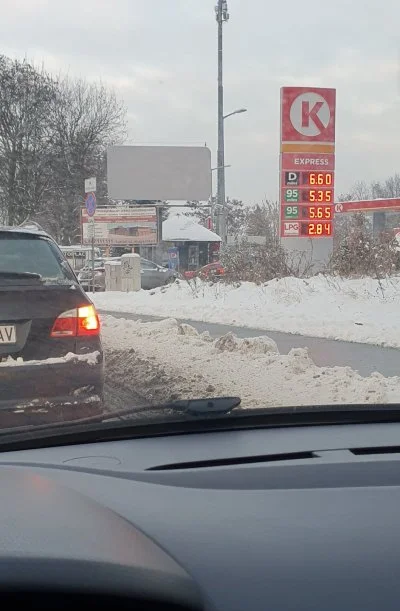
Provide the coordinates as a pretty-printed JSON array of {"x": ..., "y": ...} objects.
[
  {"x": 323, "y": 213},
  {"x": 314, "y": 230},
  {"x": 317, "y": 179},
  {"x": 314, "y": 196}
]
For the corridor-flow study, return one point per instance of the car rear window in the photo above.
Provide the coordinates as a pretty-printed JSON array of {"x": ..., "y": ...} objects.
[{"x": 24, "y": 253}]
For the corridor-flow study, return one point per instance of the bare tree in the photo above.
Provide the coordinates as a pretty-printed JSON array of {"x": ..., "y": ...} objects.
[
  {"x": 263, "y": 220},
  {"x": 389, "y": 188},
  {"x": 236, "y": 214},
  {"x": 53, "y": 134},
  {"x": 26, "y": 98},
  {"x": 86, "y": 119}
]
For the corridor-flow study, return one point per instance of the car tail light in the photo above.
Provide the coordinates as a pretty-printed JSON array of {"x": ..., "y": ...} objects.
[
  {"x": 88, "y": 321},
  {"x": 77, "y": 323}
]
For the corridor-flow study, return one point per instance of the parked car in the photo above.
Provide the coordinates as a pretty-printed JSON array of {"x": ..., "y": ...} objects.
[
  {"x": 86, "y": 273},
  {"x": 45, "y": 314},
  {"x": 152, "y": 274},
  {"x": 212, "y": 271}
]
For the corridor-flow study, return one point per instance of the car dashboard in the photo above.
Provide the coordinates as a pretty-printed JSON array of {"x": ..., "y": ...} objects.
[{"x": 303, "y": 518}]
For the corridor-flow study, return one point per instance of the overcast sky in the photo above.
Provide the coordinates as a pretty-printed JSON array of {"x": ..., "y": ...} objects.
[{"x": 160, "y": 56}]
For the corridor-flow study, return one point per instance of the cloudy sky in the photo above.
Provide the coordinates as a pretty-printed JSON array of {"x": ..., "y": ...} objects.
[{"x": 160, "y": 56}]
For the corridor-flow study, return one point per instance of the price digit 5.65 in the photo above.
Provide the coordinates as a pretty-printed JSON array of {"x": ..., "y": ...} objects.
[{"x": 320, "y": 212}]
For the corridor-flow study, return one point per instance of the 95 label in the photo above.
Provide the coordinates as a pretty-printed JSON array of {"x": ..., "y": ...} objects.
[
  {"x": 292, "y": 195},
  {"x": 291, "y": 212}
]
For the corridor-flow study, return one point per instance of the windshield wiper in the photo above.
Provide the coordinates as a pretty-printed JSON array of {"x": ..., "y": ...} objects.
[{"x": 191, "y": 408}]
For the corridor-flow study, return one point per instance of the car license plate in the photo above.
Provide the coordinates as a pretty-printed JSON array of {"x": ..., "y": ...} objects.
[{"x": 8, "y": 334}]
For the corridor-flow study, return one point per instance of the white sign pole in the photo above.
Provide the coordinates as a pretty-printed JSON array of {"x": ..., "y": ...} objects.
[{"x": 90, "y": 187}]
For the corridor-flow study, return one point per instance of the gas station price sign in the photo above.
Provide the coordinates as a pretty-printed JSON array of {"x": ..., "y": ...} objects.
[
  {"x": 317, "y": 179},
  {"x": 307, "y": 200},
  {"x": 317, "y": 212},
  {"x": 314, "y": 229},
  {"x": 307, "y": 165},
  {"x": 323, "y": 213},
  {"x": 313, "y": 196}
]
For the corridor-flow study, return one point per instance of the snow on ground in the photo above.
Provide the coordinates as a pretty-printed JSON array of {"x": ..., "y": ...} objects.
[
  {"x": 165, "y": 360},
  {"x": 360, "y": 310}
]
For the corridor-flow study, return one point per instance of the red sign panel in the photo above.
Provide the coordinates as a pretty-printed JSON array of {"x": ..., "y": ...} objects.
[
  {"x": 308, "y": 161},
  {"x": 308, "y": 114},
  {"x": 307, "y": 201}
]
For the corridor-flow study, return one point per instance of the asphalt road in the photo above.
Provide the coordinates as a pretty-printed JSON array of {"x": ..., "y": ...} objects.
[{"x": 364, "y": 358}]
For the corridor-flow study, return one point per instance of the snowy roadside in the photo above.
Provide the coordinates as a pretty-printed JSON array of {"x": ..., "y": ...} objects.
[
  {"x": 360, "y": 310},
  {"x": 166, "y": 360}
]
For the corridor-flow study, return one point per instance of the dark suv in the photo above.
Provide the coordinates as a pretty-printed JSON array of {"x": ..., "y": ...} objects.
[{"x": 50, "y": 347}]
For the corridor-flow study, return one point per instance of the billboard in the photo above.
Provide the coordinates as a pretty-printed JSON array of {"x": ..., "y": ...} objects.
[
  {"x": 159, "y": 173},
  {"x": 121, "y": 226},
  {"x": 307, "y": 162}
]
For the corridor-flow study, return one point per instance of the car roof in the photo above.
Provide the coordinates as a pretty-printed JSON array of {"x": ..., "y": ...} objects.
[{"x": 25, "y": 230}]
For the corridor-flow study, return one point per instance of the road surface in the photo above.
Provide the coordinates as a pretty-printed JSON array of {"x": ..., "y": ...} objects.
[{"x": 364, "y": 358}]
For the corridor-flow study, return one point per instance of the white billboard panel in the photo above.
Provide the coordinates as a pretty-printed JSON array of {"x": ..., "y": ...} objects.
[{"x": 159, "y": 173}]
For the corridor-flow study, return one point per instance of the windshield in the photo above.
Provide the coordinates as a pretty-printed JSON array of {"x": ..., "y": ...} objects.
[
  {"x": 24, "y": 254},
  {"x": 198, "y": 200}
]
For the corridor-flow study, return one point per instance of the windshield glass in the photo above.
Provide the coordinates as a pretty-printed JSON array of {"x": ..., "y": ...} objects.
[
  {"x": 25, "y": 254},
  {"x": 231, "y": 171}
]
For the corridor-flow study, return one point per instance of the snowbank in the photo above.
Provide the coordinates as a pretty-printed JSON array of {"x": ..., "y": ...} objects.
[
  {"x": 166, "y": 360},
  {"x": 363, "y": 310}
]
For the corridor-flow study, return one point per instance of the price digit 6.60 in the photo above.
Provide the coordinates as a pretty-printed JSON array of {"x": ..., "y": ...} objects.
[{"x": 320, "y": 178}]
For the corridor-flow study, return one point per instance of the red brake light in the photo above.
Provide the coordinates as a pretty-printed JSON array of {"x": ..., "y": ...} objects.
[
  {"x": 65, "y": 325},
  {"x": 77, "y": 323}
]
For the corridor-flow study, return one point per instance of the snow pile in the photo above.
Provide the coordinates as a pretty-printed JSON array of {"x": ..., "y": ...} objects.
[
  {"x": 90, "y": 359},
  {"x": 361, "y": 310},
  {"x": 165, "y": 360}
]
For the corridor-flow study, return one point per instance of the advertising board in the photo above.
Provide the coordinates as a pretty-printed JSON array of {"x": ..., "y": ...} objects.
[{"x": 121, "y": 226}]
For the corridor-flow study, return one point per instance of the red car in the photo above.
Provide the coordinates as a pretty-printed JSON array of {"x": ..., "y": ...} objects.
[{"x": 208, "y": 272}]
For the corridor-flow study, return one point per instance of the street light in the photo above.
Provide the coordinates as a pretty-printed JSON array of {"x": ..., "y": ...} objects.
[
  {"x": 222, "y": 16},
  {"x": 235, "y": 112}
]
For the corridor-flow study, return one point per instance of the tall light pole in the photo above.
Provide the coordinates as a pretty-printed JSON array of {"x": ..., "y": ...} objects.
[{"x": 222, "y": 15}]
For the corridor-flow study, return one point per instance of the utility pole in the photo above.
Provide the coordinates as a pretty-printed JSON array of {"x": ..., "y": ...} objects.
[{"x": 222, "y": 15}]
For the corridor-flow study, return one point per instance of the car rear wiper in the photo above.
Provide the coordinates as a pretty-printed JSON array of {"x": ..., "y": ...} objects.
[{"x": 20, "y": 275}]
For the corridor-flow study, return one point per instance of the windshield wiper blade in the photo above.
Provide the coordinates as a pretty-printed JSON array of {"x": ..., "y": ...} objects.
[
  {"x": 201, "y": 407},
  {"x": 215, "y": 406},
  {"x": 191, "y": 408},
  {"x": 19, "y": 275}
]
